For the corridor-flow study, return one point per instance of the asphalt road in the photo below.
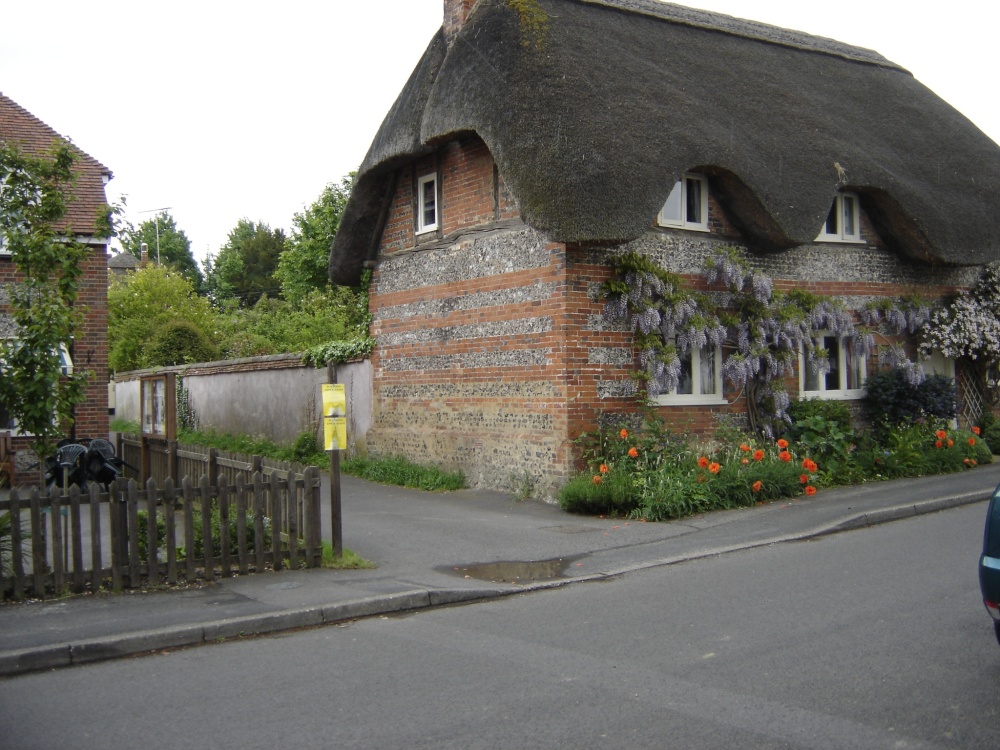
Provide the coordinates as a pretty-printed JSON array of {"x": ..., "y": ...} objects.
[{"x": 874, "y": 638}]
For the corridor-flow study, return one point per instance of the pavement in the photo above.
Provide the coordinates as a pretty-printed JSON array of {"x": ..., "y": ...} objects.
[{"x": 437, "y": 549}]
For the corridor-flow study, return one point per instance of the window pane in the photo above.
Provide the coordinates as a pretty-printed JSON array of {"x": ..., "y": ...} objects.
[
  {"x": 694, "y": 198},
  {"x": 429, "y": 198},
  {"x": 850, "y": 230},
  {"x": 831, "y": 220},
  {"x": 685, "y": 384},
  {"x": 832, "y": 346},
  {"x": 811, "y": 379},
  {"x": 855, "y": 370},
  {"x": 672, "y": 208},
  {"x": 707, "y": 370}
]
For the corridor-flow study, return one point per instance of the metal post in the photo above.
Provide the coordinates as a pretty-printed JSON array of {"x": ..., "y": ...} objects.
[{"x": 336, "y": 521}]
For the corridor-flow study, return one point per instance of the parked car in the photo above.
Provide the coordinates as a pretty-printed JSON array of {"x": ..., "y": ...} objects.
[{"x": 989, "y": 562}]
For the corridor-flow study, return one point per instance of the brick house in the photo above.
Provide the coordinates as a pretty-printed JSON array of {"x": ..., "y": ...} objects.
[
  {"x": 89, "y": 350},
  {"x": 535, "y": 138}
]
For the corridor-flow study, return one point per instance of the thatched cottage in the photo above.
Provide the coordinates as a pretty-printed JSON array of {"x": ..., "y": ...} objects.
[{"x": 535, "y": 137}]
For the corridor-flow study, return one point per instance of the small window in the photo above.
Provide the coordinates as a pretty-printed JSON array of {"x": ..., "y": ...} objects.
[
  {"x": 427, "y": 213},
  {"x": 687, "y": 205},
  {"x": 7, "y": 422},
  {"x": 843, "y": 222},
  {"x": 846, "y": 377},
  {"x": 938, "y": 364},
  {"x": 700, "y": 380}
]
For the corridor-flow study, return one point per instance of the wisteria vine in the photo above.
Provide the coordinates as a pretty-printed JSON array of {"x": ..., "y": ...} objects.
[{"x": 760, "y": 331}]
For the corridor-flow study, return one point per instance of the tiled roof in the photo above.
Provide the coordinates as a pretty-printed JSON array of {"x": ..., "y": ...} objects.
[{"x": 21, "y": 128}]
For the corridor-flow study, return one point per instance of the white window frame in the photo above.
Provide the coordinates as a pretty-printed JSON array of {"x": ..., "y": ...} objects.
[
  {"x": 674, "y": 212},
  {"x": 843, "y": 368},
  {"x": 3, "y": 247},
  {"x": 845, "y": 206},
  {"x": 674, "y": 398},
  {"x": 938, "y": 364},
  {"x": 423, "y": 227}
]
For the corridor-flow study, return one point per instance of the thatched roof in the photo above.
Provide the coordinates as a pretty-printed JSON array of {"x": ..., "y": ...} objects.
[
  {"x": 20, "y": 128},
  {"x": 594, "y": 113}
]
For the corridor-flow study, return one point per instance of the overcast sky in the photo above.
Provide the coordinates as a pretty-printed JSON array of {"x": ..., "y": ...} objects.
[{"x": 224, "y": 110}]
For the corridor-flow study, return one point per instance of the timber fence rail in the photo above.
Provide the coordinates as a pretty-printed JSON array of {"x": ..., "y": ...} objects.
[{"x": 134, "y": 535}]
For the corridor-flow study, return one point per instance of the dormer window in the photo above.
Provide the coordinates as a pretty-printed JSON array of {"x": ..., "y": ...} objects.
[
  {"x": 842, "y": 223},
  {"x": 427, "y": 210},
  {"x": 687, "y": 205}
]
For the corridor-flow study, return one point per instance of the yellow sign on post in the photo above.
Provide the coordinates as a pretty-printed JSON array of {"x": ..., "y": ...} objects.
[{"x": 334, "y": 417}]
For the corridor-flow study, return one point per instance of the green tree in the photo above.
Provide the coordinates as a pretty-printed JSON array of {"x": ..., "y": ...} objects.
[
  {"x": 141, "y": 308},
  {"x": 174, "y": 246},
  {"x": 34, "y": 194},
  {"x": 303, "y": 266},
  {"x": 244, "y": 267}
]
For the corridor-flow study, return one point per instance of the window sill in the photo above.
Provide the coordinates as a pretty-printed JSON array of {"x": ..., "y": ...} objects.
[
  {"x": 685, "y": 400},
  {"x": 684, "y": 227},
  {"x": 854, "y": 395},
  {"x": 838, "y": 241}
]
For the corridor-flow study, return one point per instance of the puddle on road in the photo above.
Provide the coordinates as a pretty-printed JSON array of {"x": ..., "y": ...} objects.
[{"x": 514, "y": 571}]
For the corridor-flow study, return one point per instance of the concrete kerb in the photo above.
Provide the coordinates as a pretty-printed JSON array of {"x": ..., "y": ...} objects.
[{"x": 68, "y": 654}]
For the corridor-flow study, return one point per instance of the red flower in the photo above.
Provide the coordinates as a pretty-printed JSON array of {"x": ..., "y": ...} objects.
[
  {"x": 714, "y": 468},
  {"x": 604, "y": 469},
  {"x": 758, "y": 455},
  {"x": 941, "y": 434},
  {"x": 809, "y": 465},
  {"x": 598, "y": 479},
  {"x": 703, "y": 463},
  {"x": 745, "y": 448},
  {"x": 972, "y": 441},
  {"x": 633, "y": 452},
  {"x": 757, "y": 485},
  {"x": 782, "y": 444},
  {"x": 975, "y": 431},
  {"x": 804, "y": 478},
  {"x": 938, "y": 444},
  {"x": 810, "y": 490},
  {"x": 952, "y": 442},
  {"x": 785, "y": 456},
  {"x": 624, "y": 434}
]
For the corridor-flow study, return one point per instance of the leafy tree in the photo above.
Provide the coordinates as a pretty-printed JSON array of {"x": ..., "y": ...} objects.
[
  {"x": 244, "y": 268},
  {"x": 34, "y": 193},
  {"x": 303, "y": 265},
  {"x": 141, "y": 305},
  {"x": 174, "y": 246}
]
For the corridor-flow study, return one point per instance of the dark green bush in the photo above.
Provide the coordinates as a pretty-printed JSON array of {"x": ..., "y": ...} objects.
[
  {"x": 399, "y": 471},
  {"x": 890, "y": 400},
  {"x": 832, "y": 412},
  {"x": 181, "y": 342}
]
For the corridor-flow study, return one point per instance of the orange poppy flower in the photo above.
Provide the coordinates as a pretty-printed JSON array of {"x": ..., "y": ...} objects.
[
  {"x": 703, "y": 463},
  {"x": 782, "y": 444},
  {"x": 598, "y": 479},
  {"x": 952, "y": 442},
  {"x": 604, "y": 469},
  {"x": 810, "y": 490},
  {"x": 804, "y": 478},
  {"x": 809, "y": 465},
  {"x": 758, "y": 455},
  {"x": 745, "y": 461},
  {"x": 757, "y": 485},
  {"x": 714, "y": 468},
  {"x": 624, "y": 434},
  {"x": 975, "y": 430},
  {"x": 938, "y": 444},
  {"x": 785, "y": 456},
  {"x": 633, "y": 452},
  {"x": 745, "y": 448},
  {"x": 941, "y": 434},
  {"x": 972, "y": 441}
]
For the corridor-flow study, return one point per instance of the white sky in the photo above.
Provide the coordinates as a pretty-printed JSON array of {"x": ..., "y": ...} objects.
[{"x": 225, "y": 110}]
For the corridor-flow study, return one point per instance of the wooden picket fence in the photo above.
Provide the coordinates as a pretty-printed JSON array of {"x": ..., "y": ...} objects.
[{"x": 133, "y": 535}]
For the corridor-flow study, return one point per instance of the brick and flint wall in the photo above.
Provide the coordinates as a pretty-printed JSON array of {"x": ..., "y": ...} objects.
[{"x": 493, "y": 353}]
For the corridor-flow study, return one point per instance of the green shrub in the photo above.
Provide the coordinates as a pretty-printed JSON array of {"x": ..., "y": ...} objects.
[
  {"x": 991, "y": 436},
  {"x": 613, "y": 495},
  {"x": 215, "y": 524},
  {"x": 180, "y": 342},
  {"x": 890, "y": 400},
  {"x": 831, "y": 412}
]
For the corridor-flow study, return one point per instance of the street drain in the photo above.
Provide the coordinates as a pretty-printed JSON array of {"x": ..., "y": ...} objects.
[{"x": 514, "y": 571}]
